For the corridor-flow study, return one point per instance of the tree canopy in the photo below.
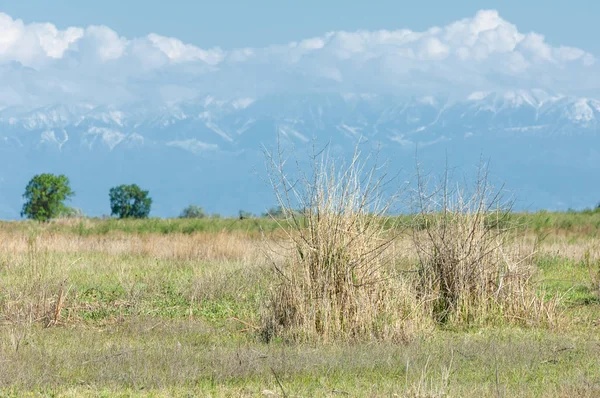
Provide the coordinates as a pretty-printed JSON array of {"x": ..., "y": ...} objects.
[
  {"x": 45, "y": 195},
  {"x": 129, "y": 201},
  {"x": 193, "y": 211}
]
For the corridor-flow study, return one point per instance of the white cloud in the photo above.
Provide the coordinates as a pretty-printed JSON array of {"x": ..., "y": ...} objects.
[
  {"x": 104, "y": 43},
  {"x": 33, "y": 44},
  {"x": 177, "y": 51},
  {"x": 433, "y": 48},
  {"x": 535, "y": 45},
  {"x": 55, "y": 42},
  {"x": 96, "y": 64}
]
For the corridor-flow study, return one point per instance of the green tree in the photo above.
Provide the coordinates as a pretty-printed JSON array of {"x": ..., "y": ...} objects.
[
  {"x": 129, "y": 201},
  {"x": 45, "y": 195},
  {"x": 193, "y": 211},
  {"x": 275, "y": 212},
  {"x": 245, "y": 214}
]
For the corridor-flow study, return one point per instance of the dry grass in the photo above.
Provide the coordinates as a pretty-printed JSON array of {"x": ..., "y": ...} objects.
[
  {"x": 52, "y": 279},
  {"x": 334, "y": 282},
  {"x": 201, "y": 246},
  {"x": 340, "y": 280},
  {"x": 474, "y": 267}
]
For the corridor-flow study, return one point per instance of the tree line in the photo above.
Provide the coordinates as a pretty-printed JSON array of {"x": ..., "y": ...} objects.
[{"x": 45, "y": 196}]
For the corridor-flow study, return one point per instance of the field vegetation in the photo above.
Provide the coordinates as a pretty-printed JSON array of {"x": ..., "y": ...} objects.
[
  {"x": 329, "y": 295},
  {"x": 176, "y": 307}
]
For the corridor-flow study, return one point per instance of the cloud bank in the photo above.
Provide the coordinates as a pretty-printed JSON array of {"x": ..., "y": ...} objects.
[{"x": 40, "y": 64}]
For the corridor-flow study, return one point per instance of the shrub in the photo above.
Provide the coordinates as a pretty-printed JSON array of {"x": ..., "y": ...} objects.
[
  {"x": 129, "y": 201},
  {"x": 45, "y": 195},
  {"x": 242, "y": 214},
  {"x": 473, "y": 265},
  {"x": 71, "y": 212},
  {"x": 333, "y": 281},
  {"x": 193, "y": 211},
  {"x": 274, "y": 212}
]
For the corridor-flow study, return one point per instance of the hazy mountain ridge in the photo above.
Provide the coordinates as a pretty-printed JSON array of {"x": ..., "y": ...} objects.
[{"x": 548, "y": 134}]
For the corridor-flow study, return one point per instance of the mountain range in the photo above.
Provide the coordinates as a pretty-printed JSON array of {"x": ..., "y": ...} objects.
[{"x": 544, "y": 147}]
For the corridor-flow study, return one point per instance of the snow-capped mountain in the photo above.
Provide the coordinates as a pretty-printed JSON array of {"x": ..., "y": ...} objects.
[{"x": 208, "y": 151}]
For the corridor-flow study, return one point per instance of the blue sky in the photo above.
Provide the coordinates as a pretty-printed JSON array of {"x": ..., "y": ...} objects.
[
  {"x": 113, "y": 52},
  {"x": 258, "y": 23}
]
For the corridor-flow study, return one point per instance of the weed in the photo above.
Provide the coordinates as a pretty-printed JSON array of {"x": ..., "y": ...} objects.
[
  {"x": 471, "y": 270},
  {"x": 333, "y": 281}
]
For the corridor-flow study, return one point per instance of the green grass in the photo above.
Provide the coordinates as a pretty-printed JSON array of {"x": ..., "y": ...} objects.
[
  {"x": 584, "y": 222},
  {"x": 149, "y": 314},
  {"x": 580, "y": 223},
  {"x": 141, "y": 357},
  {"x": 569, "y": 278},
  {"x": 92, "y": 226}
]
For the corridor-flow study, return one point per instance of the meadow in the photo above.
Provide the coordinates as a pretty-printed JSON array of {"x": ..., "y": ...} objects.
[{"x": 175, "y": 308}]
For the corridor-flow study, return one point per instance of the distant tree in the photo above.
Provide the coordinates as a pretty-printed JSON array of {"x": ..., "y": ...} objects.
[
  {"x": 71, "y": 212},
  {"x": 193, "y": 211},
  {"x": 245, "y": 214},
  {"x": 45, "y": 196},
  {"x": 280, "y": 212},
  {"x": 129, "y": 201},
  {"x": 275, "y": 212}
]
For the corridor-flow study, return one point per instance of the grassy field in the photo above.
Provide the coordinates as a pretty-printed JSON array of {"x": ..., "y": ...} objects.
[
  {"x": 579, "y": 223},
  {"x": 173, "y": 308}
]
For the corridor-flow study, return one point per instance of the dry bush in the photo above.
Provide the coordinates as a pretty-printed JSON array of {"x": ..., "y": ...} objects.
[
  {"x": 333, "y": 282},
  {"x": 473, "y": 267},
  {"x": 593, "y": 266},
  {"x": 39, "y": 297}
]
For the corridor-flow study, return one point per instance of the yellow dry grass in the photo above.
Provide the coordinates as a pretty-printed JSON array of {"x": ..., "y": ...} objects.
[{"x": 201, "y": 246}]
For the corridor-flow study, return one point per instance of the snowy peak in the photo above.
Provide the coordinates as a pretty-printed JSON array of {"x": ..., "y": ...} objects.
[
  {"x": 218, "y": 142},
  {"x": 209, "y": 123}
]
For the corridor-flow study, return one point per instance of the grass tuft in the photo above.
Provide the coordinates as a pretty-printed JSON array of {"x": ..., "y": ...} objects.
[
  {"x": 474, "y": 266},
  {"x": 333, "y": 282}
]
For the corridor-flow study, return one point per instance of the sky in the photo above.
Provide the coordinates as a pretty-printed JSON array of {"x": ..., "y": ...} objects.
[
  {"x": 241, "y": 23},
  {"x": 122, "y": 51}
]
